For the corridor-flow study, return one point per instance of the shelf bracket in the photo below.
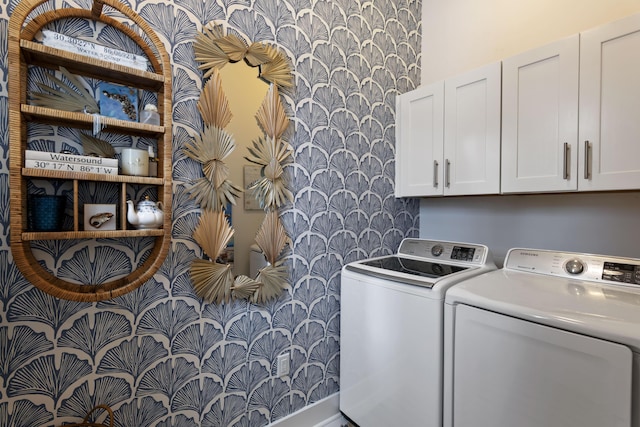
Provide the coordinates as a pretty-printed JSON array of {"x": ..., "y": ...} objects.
[{"x": 96, "y": 9}]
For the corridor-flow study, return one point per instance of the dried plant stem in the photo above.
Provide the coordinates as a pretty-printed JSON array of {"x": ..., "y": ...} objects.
[
  {"x": 213, "y": 233},
  {"x": 213, "y": 104},
  {"x": 244, "y": 287},
  {"x": 213, "y": 50},
  {"x": 65, "y": 97},
  {"x": 212, "y": 281},
  {"x": 277, "y": 70},
  {"x": 207, "y": 51},
  {"x": 271, "y": 115},
  {"x": 99, "y": 147},
  {"x": 272, "y": 237}
]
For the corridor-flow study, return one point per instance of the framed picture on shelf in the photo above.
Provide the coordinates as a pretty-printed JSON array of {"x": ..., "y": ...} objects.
[
  {"x": 117, "y": 101},
  {"x": 99, "y": 217}
]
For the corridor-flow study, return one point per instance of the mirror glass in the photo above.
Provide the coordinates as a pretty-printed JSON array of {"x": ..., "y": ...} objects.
[{"x": 245, "y": 92}]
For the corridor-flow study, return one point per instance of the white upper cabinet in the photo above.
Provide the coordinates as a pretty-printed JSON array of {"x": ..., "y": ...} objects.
[
  {"x": 419, "y": 136},
  {"x": 610, "y": 106},
  {"x": 472, "y": 132},
  {"x": 562, "y": 117},
  {"x": 540, "y": 119},
  {"x": 448, "y": 136}
]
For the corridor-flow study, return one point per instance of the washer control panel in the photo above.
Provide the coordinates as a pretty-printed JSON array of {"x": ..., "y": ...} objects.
[
  {"x": 598, "y": 268},
  {"x": 466, "y": 253}
]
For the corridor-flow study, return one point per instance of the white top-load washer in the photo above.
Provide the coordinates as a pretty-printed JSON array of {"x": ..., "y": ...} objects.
[
  {"x": 550, "y": 340},
  {"x": 391, "y": 326}
]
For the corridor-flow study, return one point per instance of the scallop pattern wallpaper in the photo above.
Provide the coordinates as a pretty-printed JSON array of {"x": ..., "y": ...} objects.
[{"x": 160, "y": 356}]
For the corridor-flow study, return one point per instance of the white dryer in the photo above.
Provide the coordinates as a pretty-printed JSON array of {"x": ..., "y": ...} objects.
[
  {"x": 391, "y": 324},
  {"x": 550, "y": 340}
]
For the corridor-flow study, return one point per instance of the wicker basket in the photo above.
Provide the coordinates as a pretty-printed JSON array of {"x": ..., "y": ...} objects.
[{"x": 86, "y": 423}]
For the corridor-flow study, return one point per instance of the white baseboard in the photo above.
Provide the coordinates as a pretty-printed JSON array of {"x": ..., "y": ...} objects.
[{"x": 324, "y": 413}]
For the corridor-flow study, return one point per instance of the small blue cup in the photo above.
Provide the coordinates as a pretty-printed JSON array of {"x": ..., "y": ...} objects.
[{"x": 47, "y": 212}]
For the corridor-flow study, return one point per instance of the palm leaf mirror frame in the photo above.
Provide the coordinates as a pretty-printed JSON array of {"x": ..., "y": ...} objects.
[{"x": 214, "y": 281}]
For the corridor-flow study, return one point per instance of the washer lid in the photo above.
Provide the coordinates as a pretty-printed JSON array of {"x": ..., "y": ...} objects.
[
  {"x": 407, "y": 270},
  {"x": 433, "y": 264},
  {"x": 602, "y": 310},
  {"x": 414, "y": 266}
]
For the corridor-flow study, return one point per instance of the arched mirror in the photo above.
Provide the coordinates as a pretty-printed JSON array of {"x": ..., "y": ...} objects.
[{"x": 242, "y": 154}]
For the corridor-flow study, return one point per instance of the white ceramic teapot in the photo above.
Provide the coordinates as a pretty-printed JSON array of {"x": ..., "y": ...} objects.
[{"x": 147, "y": 214}]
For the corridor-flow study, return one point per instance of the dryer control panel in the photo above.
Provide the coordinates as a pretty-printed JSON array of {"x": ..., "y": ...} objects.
[
  {"x": 598, "y": 268},
  {"x": 618, "y": 272}
]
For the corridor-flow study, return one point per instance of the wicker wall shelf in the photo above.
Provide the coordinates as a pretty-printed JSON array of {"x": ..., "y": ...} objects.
[{"x": 24, "y": 52}]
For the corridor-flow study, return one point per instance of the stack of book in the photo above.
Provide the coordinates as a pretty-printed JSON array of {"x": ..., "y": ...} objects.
[
  {"x": 94, "y": 50},
  {"x": 70, "y": 162}
]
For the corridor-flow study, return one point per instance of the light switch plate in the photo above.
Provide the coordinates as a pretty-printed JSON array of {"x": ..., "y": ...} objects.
[{"x": 282, "y": 366}]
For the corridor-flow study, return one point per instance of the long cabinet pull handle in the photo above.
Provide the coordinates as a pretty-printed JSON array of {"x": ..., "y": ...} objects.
[
  {"x": 565, "y": 166},
  {"x": 435, "y": 173},
  {"x": 447, "y": 171},
  {"x": 587, "y": 160}
]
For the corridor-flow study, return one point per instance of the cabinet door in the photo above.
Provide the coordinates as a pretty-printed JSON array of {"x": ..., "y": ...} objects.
[
  {"x": 540, "y": 118},
  {"x": 419, "y": 139},
  {"x": 609, "y": 106},
  {"x": 472, "y": 132}
]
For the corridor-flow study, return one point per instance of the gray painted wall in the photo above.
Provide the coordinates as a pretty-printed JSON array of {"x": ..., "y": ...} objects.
[{"x": 599, "y": 223}]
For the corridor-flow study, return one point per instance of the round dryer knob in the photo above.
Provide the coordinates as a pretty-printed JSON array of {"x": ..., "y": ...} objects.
[
  {"x": 437, "y": 250},
  {"x": 574, "y": 266}
]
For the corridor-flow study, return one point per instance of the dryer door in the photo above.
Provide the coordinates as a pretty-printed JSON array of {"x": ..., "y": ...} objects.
[{"x": 509, "y": 372}]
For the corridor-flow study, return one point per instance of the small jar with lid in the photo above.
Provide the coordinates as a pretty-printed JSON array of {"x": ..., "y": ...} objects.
[{"x": 150, "y": 115}]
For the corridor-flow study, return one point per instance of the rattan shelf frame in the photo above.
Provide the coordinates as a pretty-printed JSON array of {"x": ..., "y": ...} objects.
[
  {"x": 52, "y": 116},
  {"x": 49, "y": 57},
  {"x": 23, "y": 52},
  {"x": 85, "y": 176},
  {"x": 65, "y": 235}
]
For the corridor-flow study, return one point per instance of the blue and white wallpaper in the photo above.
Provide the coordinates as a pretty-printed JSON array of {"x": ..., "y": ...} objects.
[{"x": 160, "y": 356}]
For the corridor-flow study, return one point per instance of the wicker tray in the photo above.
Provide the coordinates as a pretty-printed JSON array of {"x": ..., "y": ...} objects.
[{"x": 85, "y": 422}]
